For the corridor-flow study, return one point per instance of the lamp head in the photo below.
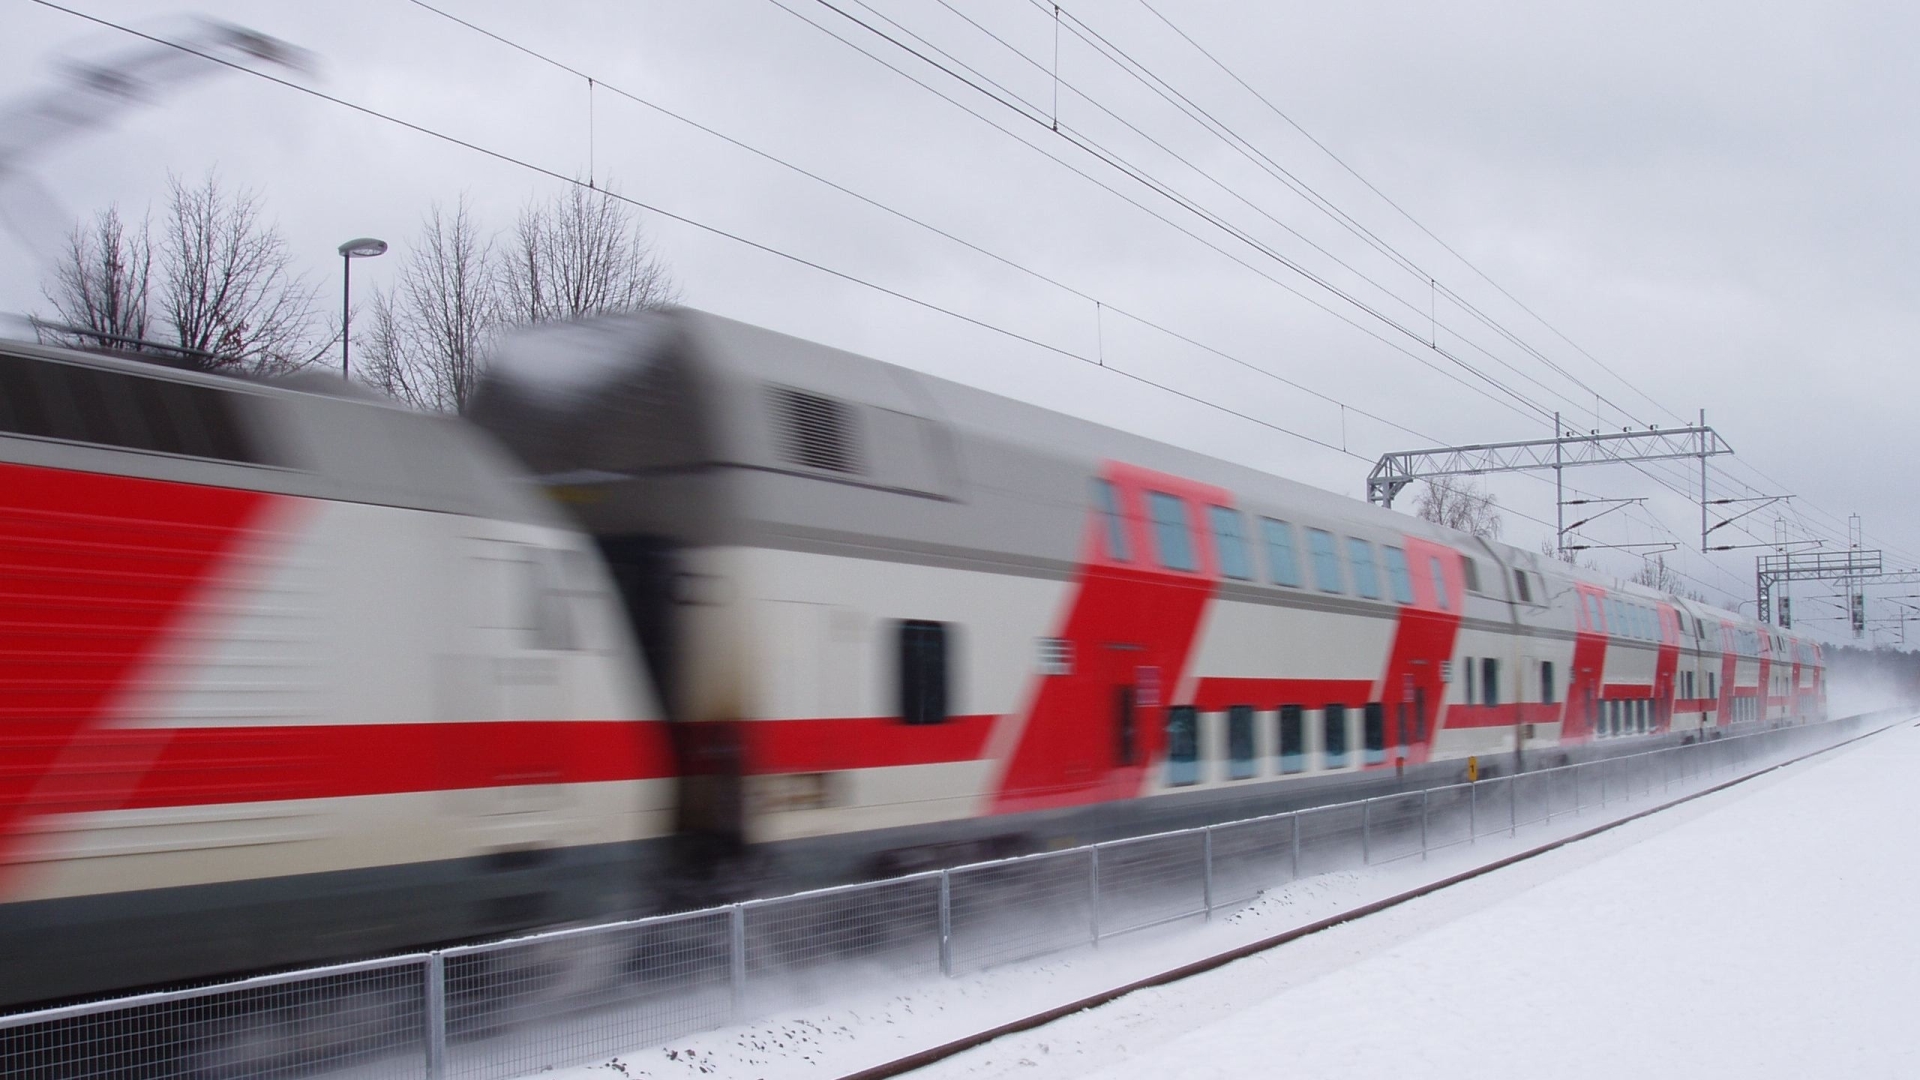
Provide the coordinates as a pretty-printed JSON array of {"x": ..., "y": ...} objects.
[{"x": 365, "y": 247}]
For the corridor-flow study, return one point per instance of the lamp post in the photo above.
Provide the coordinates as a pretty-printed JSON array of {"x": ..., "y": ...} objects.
[{"x": 365, "y": 247}]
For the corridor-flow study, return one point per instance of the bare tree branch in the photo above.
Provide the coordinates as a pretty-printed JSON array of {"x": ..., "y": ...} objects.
[
  {"x": 1459, "y": 504},
  {"x": 227, "y": 284},
  {"x": 432, "y": 327},
  {"x": 581, "y": 253},
  {"x": 101, "y": 281}
]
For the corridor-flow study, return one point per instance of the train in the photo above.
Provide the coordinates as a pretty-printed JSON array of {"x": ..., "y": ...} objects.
[{"x": 685, "y": 610}]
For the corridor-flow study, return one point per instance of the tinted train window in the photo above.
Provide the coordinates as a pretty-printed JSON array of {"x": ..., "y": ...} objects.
[
  {"x": 923, "y": 672},
  {"x": 1439, "y": 583},
  {"x": 1490, "y": 681},
  {"x": 1520, "y": 586},
  {"x": 1546, "y": 682},
  {"x": 1107, "y": 502},
  {"x": 1326, "y": 562},
  {"x": 1183, "y": 746},
  {"x": 1375, "y": 733},
  {"x": 1334, "y": 731},
  {"x": 1283, "y": 564},
  {"x": 1471, "y": 571},
  {"x": 1231, "y": 542},
  {"x": 1239, "y": 742},
  {"x": 1293, "y": 739},
  {"x": 1399, "y": 582},
  {"x": 120, "y": 409},
  {"x": 1366, "y": 579},
  {"x": 1170, "y": 530}
]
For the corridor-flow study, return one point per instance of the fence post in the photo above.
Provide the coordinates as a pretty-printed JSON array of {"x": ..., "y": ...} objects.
[
  {"x": 946, "y": 923},
  {"x": 1294, "y": 820},
  {"x": 1093, "y": 894},
  {"x": 1425, "y": 802},
  {"x": 1206, "y": 884},
  {"x": 436, "y": 1018},
  {"x": 737, "y": 958},
  {"x": 1513, "y": 805},
  {"x": 1366, "y": 832},
  {"x": 1473, "y": 811}
]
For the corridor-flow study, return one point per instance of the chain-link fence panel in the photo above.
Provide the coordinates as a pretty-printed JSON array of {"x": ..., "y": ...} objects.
[
  {"x": 800, "y": 948},
  {"x": 1495, "y": 810},
  {"x": 365, "y": 1020},
  {"x": 1151, "y": 880},
  {"x": 1330, "y": 838},
  {"x": 1395, "y": 826},
  {"x": 1532, "y": 798},
  {"x": 1450, "y": 814},
  {"x": 1016, "y": 909},
  {"x": 1250, "y": 857},
  {"x": 515, "y": 1007}
]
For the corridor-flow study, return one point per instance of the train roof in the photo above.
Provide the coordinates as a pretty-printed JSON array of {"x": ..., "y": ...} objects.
[
  {"x": 603, "y": 401},
  {"x": 306, "y": 434}
]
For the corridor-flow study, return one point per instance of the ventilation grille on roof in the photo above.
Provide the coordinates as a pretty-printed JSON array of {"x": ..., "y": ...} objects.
[{"x": 816, "y": 431}]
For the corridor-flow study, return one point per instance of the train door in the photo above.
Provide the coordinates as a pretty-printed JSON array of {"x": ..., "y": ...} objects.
[
  {"x": 1128, "y": 688},
  {"x": 1662, "y": 701}
]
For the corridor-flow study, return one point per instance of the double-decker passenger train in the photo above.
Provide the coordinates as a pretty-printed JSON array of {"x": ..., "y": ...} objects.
[
  {"x": 287, "y": 674},
  {"x": 909, "y": 621}
]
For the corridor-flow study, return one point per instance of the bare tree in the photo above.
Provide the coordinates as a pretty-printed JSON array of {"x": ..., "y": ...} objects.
[
  {"x": 1654, "y": 573},
  {"x": 100, "y": 282},
  {"x": 580, "y": 253},
  {"x": 432, "y": 327},
  {"x": 1459, "y": 504},
  {"x": 227, "y": 284}
]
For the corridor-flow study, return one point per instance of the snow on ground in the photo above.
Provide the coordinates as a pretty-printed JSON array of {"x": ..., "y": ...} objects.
[
  {"x": 1767, "y": 931},
  {"x": 1643, "y": 949}
]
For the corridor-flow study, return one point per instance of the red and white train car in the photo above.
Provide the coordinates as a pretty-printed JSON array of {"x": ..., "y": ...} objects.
[
  {"x": 910, "y": 622},
  {"x": 290, "y": 676}
]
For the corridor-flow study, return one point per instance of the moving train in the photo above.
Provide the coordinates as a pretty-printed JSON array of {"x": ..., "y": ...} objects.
[{"x": 691, "y": 610}]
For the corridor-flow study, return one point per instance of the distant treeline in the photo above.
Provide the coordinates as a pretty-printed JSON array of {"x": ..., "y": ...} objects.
[{"x": 1887, "y": 672}]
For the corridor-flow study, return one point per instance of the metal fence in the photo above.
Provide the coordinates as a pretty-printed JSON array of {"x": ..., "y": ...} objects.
[{"x": 569, "y": 997}]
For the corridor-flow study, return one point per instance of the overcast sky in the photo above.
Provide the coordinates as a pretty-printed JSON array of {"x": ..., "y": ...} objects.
[{"x": 1712, "y": 202}]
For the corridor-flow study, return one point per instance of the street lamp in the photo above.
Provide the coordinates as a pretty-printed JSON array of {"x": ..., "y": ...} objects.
[{"x": 364, "y": 248}]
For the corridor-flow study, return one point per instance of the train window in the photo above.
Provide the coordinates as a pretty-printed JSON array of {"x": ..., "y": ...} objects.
[
  {"x": 1239, "y": 742},
  {"x": 23, "y": 409},
  {"x": 1613, "y": 715},
  {"x": 923, "y": 672},
  {"x": 1171, "y": 534},
  {"x": 1399, "y": 582},
  {"x": 1546, "y": 682},
  {"x": 1231, "y": 542},
  {"x": 1283, "y": 564},
  {"x": 1374, "y": 733},
  {"x": 1490, "y": 681},
  {"x": 1326, "y": 562},
  {"x": 1183, "y": 746},
  {"x": 1439, "y": 583},
  {"x": 1471, "y": 571},
  {"x": 1520, "y": 586},
  {"x": 120, "y": 409},
  {"x": 1713, "y": 690},
  {"x": 1334, "y": 736},
  {"x": 1680, "y": 620},
  {"x": 1293, "y": 739},
  {"x": 1466, "y": 665},
  {"x": 1640, "y": 710},
  {"x": 1366, "y": 577},
  {"x": 1107, "y": 503}
]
